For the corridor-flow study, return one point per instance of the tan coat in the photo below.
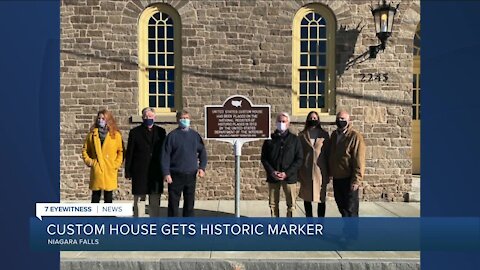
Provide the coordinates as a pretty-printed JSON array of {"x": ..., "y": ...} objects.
[
  {"x": 347, "y": 157},
  {"x": 103, "y": 160},
  {"x": 313, "y": 175}
]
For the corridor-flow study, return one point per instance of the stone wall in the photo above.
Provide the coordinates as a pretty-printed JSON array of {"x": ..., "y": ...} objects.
[{"x": 235, "y": 47}]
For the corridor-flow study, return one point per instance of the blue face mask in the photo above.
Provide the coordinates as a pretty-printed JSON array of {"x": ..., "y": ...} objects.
[
  {"x": 101, "y": 123},
  {"x": 148, "y": 122},
  {"x": 184, "y": 123}
]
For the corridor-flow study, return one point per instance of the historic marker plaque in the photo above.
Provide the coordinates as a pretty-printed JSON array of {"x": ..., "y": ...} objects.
[
  {"x": 237, "y": 121},
  {"x": 237, "y": 118}
]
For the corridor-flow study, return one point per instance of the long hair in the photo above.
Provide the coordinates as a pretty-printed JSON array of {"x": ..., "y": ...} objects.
[
  {"x": 110, "y": 120},
  {"x": 308, "y": 116}
]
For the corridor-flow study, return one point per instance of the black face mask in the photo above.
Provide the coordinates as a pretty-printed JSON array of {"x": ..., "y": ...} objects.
[
  {"x": 341, "y": 124},
  {"x": 148, "y": 122},
  {"x": 312, "y": 123}
]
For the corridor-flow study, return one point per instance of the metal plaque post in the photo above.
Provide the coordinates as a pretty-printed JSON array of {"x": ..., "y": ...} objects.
[{"x": 238, "y": 153}]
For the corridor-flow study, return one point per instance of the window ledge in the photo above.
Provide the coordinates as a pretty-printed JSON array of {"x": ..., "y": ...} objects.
[
  {"x": 163, "y": 119},
  {"x": 324, "y": 119}
]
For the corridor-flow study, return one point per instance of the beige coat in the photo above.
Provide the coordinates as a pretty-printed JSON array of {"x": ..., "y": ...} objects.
[{"x": 313, "y": 175}]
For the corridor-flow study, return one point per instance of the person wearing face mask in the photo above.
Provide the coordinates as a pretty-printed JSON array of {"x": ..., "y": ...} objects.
[
  {"x": 281, "y": 157},
  {"x": 346, "y": 165},
  {"x": 183, "y": 159},
  {"x": 313, "y": 175},
  {"x": 142, "y": 164},
  {"x": 103, "y": 153}
]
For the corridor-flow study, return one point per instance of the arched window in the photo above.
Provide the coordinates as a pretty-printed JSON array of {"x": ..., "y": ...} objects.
[
  {"x": 416, "y": 103},
  {"x": 160, "y": 60},
  {"x": 416, "y": 75},
  {"x": 313, "y": 63}
]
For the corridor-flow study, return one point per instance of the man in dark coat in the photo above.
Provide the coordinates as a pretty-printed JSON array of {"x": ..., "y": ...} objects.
[
  {"x": 282, "y": 157},
  {"x": 142, "y": 164}
]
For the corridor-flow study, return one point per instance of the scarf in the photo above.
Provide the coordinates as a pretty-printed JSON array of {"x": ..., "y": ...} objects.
[{"x": 102, "y": 133}]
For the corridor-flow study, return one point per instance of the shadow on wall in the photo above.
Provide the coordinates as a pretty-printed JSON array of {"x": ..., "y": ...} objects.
[
  {"x": 214, "y": 74},
  {"x": 346, "y": 40}
]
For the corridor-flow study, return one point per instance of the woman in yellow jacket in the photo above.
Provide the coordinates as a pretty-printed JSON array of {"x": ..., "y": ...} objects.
[{"x": 103, "y": 153}]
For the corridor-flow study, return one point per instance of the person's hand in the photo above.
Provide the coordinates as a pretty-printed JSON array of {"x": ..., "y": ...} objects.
[
  {"x": 275, "y": 175},
  {"x": 282, "y": 176},
  {"x": 201, "y": 173},
  {"x": 355, "y": 187},
  {"x": 167, "y": 178}
]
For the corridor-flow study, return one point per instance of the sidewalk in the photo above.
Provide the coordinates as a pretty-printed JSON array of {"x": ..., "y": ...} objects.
[
  {"x": 222, "y": 208},
  {"x": 79, "y": 260}
]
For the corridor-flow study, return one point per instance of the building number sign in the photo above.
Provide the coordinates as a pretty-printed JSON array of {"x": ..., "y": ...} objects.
[{"x": 374, "y": 77}]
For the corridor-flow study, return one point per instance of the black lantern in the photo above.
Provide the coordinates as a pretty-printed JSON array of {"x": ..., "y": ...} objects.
[{"x": 383, "y": 16}]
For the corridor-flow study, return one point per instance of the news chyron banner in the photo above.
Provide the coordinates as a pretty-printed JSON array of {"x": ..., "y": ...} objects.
[
  {"x": 111, "y": 227},
  {"x": 83, "y": 209}
]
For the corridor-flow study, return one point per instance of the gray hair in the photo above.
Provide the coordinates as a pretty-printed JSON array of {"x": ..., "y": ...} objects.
[
  {"x": 284, "y": 114},
  {"x": 342, "y": 111},
  {"x": 182, "y": 112},
  {"x": 146, "y": 110}
]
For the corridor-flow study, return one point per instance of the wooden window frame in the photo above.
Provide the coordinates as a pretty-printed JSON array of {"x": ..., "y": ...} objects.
[
  {"x": 330, "y": 77},
  {"x": 143, "y": 65},
  {"x": 416, "y": 73}
]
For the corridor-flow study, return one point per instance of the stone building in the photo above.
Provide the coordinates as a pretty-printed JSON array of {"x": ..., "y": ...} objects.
[{"x": 125, "y": 55}]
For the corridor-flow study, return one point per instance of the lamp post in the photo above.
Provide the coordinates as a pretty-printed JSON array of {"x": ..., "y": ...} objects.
[{"x": 383, "y": 16}]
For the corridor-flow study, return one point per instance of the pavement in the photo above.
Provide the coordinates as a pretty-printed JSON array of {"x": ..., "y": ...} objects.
[{"x": 235, "y": 260}]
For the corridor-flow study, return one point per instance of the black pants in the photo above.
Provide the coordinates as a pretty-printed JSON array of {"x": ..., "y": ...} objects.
[
  {"x": 185, "y": 183},
  {"x": 308, "y": 209},
  {"x": 346, "y": 199},
  {"x": 107, "y": 196}
]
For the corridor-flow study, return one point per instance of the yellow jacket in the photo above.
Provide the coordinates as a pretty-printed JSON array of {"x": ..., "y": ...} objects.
[{"x": 103, "y": 160}]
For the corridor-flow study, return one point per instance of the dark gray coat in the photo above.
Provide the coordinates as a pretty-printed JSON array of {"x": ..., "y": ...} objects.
[
  {"x": 282, "y": 154},
  {"x": 142, "y": 160}
]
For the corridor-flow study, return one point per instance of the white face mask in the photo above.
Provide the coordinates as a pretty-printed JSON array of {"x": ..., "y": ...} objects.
[
  {"x": 281, "y": 126},
  {"x": 101, "y": 123}
]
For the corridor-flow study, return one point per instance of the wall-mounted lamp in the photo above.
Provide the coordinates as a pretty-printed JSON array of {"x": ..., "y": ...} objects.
[{"x": 383, "y": 16}]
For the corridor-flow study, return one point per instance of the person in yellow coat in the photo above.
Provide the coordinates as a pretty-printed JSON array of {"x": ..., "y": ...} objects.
[{"x": 103, "y": 153}]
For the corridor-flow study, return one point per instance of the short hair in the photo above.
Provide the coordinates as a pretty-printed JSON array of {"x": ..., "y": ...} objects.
[
  {"x": 285, "y": 114},
  {"x": 182, "y": 112},
  {"x": 147, "y": 109},
  {"x": 343, "y": 111}
]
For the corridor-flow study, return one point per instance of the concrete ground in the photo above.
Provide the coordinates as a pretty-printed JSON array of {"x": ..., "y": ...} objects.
[{"x": 235, "y": 260}]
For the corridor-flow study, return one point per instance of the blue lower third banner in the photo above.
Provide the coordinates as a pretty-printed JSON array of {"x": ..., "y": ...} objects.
[{"x": 254, "y": 234}]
